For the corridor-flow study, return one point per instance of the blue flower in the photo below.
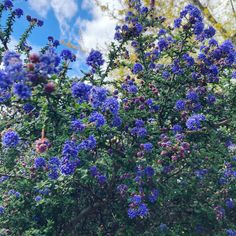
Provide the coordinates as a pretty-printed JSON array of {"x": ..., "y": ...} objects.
[
  {"x": 116, "y": 121},
  {"x": 77, "y": 126},
  {"x": 81, "y": 91},
  {"x": 188, "y": 59},
  {"x": 69, "y": 165},
  {"x": 230, "y": 203},
  {"x": 165, "y": 74},
  {"x": 149, "y": 171},
  {"x": 231, "y": 232},
  {"x": 211, "y": 99},
  {"x": 39, "y": 162},
  {"x": 98, "y": 118},
  {"x": 53, "y": 174},
  {"x": 132, "y": 89},
  {"x": 141, "y": 132},
  {"x": 137, "y": 68},
  {"x": 132, "y": 213},
  {"x": 112, "y": 105},
  {"x": 94, "y": 171},
  {"x": 142, "y": 210},
  {"x": 40, "y": 23},
  {"x": 177, "y": 129},
  {"x": 153, "y": 196},
  {"x": 213, "y": 42},
  {"x": 70, "y": 149},
  {"x": 139, "y": 123},
  {"x": 98, "y": 96},
  {"x": 144, "y": 10},
  {"x": 198, "y": 28},
  {"x": 214, "y": 70},
  {"x": 180, "y": 105},
  {"x": 38, "y": 198},
  {"x": 11, "y": 192},
  {"x": 22, "y": 91},
  {"x": 201, "y": 173},
  {"x": 138, "y": 28},
  {"x": 10, "y": 58},
  {"x": 147, "y": 147},
  {"x": 191, "y": 95},
  {"x": 67, "y": 55},
  {"x": 162, "y": 44},
  {"x": 18, "y": 12},
  {"x": 54, "y": 161},
  {"x": 7, "y": 4},
  {"x": 10, "y": 139},
  {"x": 194, "y": 122},
  {"x": 95, "y": 59},
  {"x": 210, "y": 32},
  {"x": 227, "y": 46},
  {"x": 162, "y": 32},
  {"x": 177, "y": 22},
  {"x": 136, "y": 199},
  {"x": 88, "y": 144},
  {"x": 28, "y": 108},
  {"x": 2, "y": 209},
  {"x": 101, "y": 179}
]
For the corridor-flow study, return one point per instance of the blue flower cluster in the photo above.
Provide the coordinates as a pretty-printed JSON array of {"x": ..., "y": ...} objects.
[
  {"x": 98, "y": 119},
  {"x": 194, "y": 121},
  {"x": 231, "y": 232},
  {"x": 97, "y": 174},
  {"x": 2, "y": 210},
  {"x": 10, "y": 139},
  {"x": 139, "y": 129},
  {"x": 95, "y": 59},
  {"x": 39, "y": 162},
  {"x": 137, "y": 208},
  {"x": 77, "y": 125}
]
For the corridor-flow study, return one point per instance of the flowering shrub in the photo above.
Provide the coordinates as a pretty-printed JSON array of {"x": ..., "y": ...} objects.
[{"x": 150, "y": 155}]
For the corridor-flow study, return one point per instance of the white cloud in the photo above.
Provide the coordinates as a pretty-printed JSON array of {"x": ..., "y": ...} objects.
[
  {"x": 40, "y": 6},
  {"x": 99, "y": 31},
  {"x": 64, "y": 11}
]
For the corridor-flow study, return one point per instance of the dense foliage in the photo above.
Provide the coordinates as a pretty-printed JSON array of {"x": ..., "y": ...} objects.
[{"x": 150, "y": 155}]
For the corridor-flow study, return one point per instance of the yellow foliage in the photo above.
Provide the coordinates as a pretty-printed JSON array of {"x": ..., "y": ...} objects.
[
  {"x": 146, "y": 2},
  {"x": 104, "y": 8},
  {"x": 133, "y": 58}
]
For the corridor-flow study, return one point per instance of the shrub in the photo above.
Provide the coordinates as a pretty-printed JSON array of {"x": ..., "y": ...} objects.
[{"x": 152, "y": 154}]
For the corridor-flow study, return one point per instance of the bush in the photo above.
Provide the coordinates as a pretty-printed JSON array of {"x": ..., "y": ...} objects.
[{"x": 152, "y": 154}]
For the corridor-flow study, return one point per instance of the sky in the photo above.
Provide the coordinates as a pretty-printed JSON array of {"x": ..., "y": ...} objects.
[{"x": 79, "y": 22}]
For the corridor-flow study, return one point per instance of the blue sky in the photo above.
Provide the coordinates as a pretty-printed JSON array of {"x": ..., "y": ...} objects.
[{"x": 80, "y": 22}]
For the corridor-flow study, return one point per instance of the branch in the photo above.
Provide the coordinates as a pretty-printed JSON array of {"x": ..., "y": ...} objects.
[{"x": 72, "y": 224}]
